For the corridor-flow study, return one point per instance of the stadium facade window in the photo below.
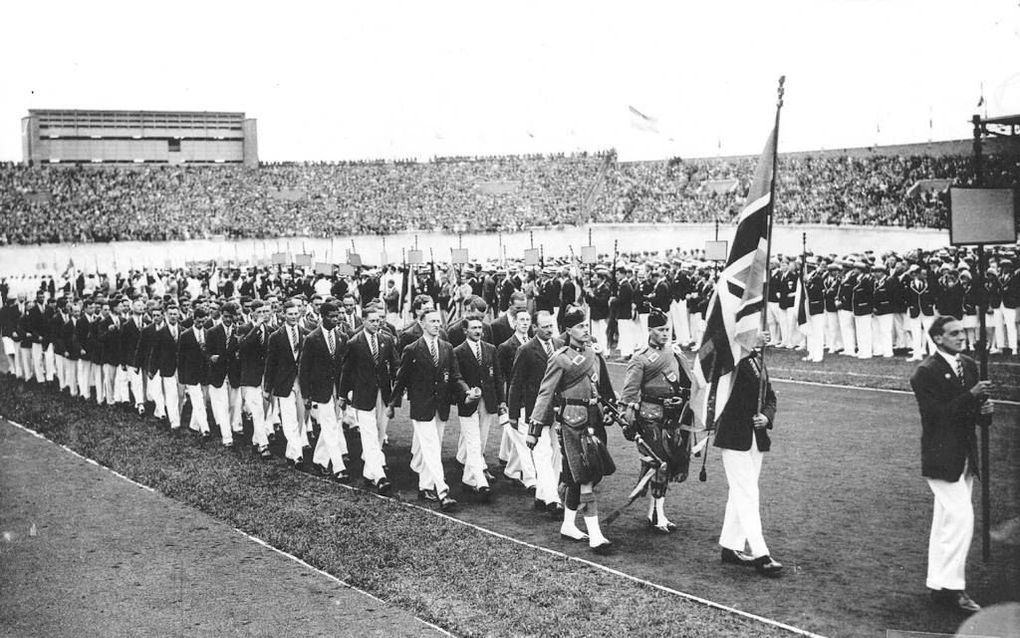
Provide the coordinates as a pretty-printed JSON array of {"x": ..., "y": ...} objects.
[{"x": 174, "y": 145}]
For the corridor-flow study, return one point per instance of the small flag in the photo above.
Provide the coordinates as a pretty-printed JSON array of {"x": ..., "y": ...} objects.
[
  {"x": 643, "y": 122},
  {"x": 801, "y": 302},
  {"x": 981, "y": 102}
]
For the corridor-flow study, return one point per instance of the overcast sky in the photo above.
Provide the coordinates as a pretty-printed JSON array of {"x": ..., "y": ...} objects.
[{"x": 381, "y": 78}]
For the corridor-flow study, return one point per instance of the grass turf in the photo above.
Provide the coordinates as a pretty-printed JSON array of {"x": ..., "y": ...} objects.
[{"x": 459, "y": 578}]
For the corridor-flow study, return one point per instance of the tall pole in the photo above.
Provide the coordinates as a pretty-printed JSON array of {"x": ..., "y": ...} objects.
[
  {"x": 982, "y": 352},
  {"x": 768, "y": 236}
]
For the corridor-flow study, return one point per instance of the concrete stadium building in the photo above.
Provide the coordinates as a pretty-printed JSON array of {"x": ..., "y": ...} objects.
[{"x": 50, "y": 136}]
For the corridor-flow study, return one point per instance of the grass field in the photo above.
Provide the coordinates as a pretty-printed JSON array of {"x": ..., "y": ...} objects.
[{"x": 844, "y": 507}]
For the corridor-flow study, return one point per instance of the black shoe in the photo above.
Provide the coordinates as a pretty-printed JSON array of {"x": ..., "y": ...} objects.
[
  {"x": 446, "y": 503},
  {"x": 428, "y": 495},
  {"x": 605, "y": 547},
  {"x": 539, "y": 505},
  {"x": 342, "y": 476},
  {"x": 484, "y": 494},
  {"x": 554, "y": 509},
  {"x": 346, "y": 459},
  {"x": 264, "y": 452},
  {"x": 767, "y": 566},
  {"x": 955, "y": 599},
  {"x": 732, "y": 557},
  {"x": 383, "y": 486}
]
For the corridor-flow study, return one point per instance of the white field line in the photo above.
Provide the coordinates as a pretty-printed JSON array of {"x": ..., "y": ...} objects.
[
  {"x": 239, "y": 531},
  {"x": 553, "y": 552},
  {"x": 847, "y": 387}
]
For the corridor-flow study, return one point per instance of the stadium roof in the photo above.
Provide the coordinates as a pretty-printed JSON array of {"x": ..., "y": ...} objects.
[{"x": 1010, "y": 125}]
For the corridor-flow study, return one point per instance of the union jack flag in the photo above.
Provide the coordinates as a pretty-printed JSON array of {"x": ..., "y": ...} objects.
[{"x": 733, "y": 320}]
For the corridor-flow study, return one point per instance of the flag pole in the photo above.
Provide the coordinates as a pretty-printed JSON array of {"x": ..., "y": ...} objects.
[{"x": 768, "y": 239}]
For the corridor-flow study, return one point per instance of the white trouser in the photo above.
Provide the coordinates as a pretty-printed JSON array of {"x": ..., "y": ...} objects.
[
  {"x": 171, "y": 400},
  {"x": 846, "y": 332},
  {"x": 776, "y": 322},
  {"x": 882, "y": 335},
  {"x": 251, "y": 398},
  {"x": 816, "y": 337},
  {"x": 952, "y": 526},
  {"x": 428, "y": 457},
  {"x": 110, "y": 374},
  {"x": 56, "y": 363},
  {"x": 331, "y": 445},
  {"x": 154, "y": 388},
  {"x": 862, "y": 326},
  {"x": 994, "y": 321},
  {"x": 71, "y": 376},
  {"x": 219, "y": 399},
  {"x": 97, "y": 381},
  {"x": 287, "y": 408},
  {"x": 50, "y": 362},
  {"x": 1009, "y": 319},
  {"x": 697, "y": 326},
  {"x": 742, "y": 521},
  {"x": 234, "y": 401},
  {"x": 629, "y": 330},
  {"x": 520, "y": 466},
  {"x": 681, "y": 326},
  {"x": 469, "y": 445},
  {"x": 121, "y": 387},
  {"x": 37, "y": 362},
  {"x": 900, "y": 331},
  {"x": 371, "y": 439},
  {"x": 199, "y": 418},
  {"x": 26, "y": 362},
  {"x": 921, "y": 343},
  {"x": 84, "y": 374},
  {"x": 548, "y": 462},
  {"x": 598, "y": 331},
  {"x": 791, "y": 330},
  {"x": 642, "y": 330}
]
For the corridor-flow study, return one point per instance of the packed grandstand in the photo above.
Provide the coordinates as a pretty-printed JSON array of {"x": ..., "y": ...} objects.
[{"x": 53, "y": 204}]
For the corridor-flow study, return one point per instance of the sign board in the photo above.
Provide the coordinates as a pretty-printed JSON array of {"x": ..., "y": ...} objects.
[
  {"x": 414, "y": 257},
  {"x": 345, "y": 270},
  {"x": 303, "y": 259},
  {"x": 716, "y": 250},
  {"x": 531, "y": 256},
  {"x": 588, "y": 255},
  {"x": 458, "y": 255},
  {"x": 280, "y": 259},
  {"x": 982, "y": 216},
  {"x": 323, "y": 268},
  {"x": 354, "y": 259}
]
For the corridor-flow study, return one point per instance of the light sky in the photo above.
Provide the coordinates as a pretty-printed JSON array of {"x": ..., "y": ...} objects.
[{"x": 388, "y": 78}]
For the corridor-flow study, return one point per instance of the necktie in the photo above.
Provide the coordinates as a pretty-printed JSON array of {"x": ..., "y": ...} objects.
[
  {"x": 294, "y": 341},
  {"x": 435, "y": 352},
  {"x": 478, "y": 352},
  {"x": 374, "y": 348},
  {"x": 959, "y": 370},
  {"x": 548, "y": 348},
  {"x": 201, "y": 337},
  {"x": 329, "y": 342}
]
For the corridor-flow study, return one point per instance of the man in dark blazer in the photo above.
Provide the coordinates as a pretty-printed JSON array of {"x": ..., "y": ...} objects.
[
  {"x": 525, "y": 381},
  {"x": 742, "y": 433},
  {"x": 626, "y": 319},
  {"x": 132, "y": 387},
  {"x": 193, "y": 370},
  {"x": 421, "y": 305},
  {"x": 502, "y": 328},
  {"x": 143, "y": 358},
  {"x": 479, "y": 410},
  {"x": 457, "y": 333},
  {"x": 429, "y": 373},
  {"x": 253, "y": 340},
  {"x": 366, "y": 376},
  {"x": 221, "y": 344},
  {"x": 952, "y": 400},
  {"x": 280, "y": 381},
  {"x": 349, "y": 321},
  {"x": 82, "y": 330},
  {"x": 164, "y": 361},
  {"x": 512, "y": 451},
  {"x": 319, "y": 376}
]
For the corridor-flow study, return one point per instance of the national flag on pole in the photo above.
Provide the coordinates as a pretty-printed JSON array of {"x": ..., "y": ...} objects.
[
  {"x": 801, "y": 302},
  {"x": 733, "y": 320},
  {"x": 643, "y": 122}
]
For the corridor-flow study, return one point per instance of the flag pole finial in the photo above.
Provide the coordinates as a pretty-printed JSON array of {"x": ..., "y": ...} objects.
[{"x": 780, "y": 90}]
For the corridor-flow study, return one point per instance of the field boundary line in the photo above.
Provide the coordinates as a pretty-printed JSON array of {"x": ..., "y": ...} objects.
[
  {"x": 842, "y": 386},
  {"x": 256, "y": 539}
]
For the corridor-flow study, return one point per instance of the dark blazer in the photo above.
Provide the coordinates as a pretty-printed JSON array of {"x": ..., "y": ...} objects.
[
  {"x": 500, "y": 330},
  {"x": 457, "y": 334},
  {"x": 345, "y": 326},
  {"x": 164, "y": 351},
  {"x": 318, "y": 370},
  {"x": 625, "y": 300},
  {"x": 35, "y": 322},
  {"x": 108, "y": 336},
  {"x": 412, "y": 333},
  {"x": 82, "y": 332},
  {"x": 130, "y": 335},
  {"x": 526, "y": 376},
  {"x": 69, "y": 336},
  {"x": 281, "y": 366},
  {"x": 505, "y": 355},
  {"x": 55, "y": 328},
  {"x": 216, "y": 343},
  {"x": 362, "y": 377},
  {"x": 192, "y": 359},
  {"x": 734, "y": 426},
  {"x": 430, "y": 388},
  {"x": 485, "y": 375},
  {"x": 949, "y": 413},
  {"x": 143, "y": 352},
  {"x": 251, "y": 354}
]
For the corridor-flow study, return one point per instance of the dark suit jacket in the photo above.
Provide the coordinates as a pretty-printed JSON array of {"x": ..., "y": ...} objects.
[
  {"x": 318, "y": 370},
  {"x": 226, "y": 366},
  {"x": 526, "y": 376},
  {"x": 55, "y": 329},
  {"x": 345, "y": 327},
  {"x": 734, "y": 426},
  {"x": 143, "y": 352},
  {"x": 69, "y": 335},
  {"x": 949, "y": 413},
  {"x": 108, "y": 337},
  {"x": 362, "y": 377},
  {"x": 505, "y": 355},
  {"x": 411, "y": 334},
  {"x": 164, "y": 351},
  {"x": 281, "y": 366},
  {"x": 35, "y": 322},
  {"x": 130, "y": 335},
  {"x": 484, "y": 375},
  {"x": 192, "y": 359},
  {"x": 430, "y": 388},
  {"x": 82, "y": 332},
  {"x": 500, "y": 330},
  {"x": 251, "y": 354},
  {"x": 457, "y": 334}
]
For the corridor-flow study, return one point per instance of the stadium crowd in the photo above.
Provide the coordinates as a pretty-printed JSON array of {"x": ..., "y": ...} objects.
[{"x": 66, "y": 204}]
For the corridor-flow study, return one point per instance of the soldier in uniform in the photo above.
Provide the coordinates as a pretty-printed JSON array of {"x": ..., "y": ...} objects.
[
  {"x": 655, "y": 392},
  {"x": 575, "y": 378}
]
